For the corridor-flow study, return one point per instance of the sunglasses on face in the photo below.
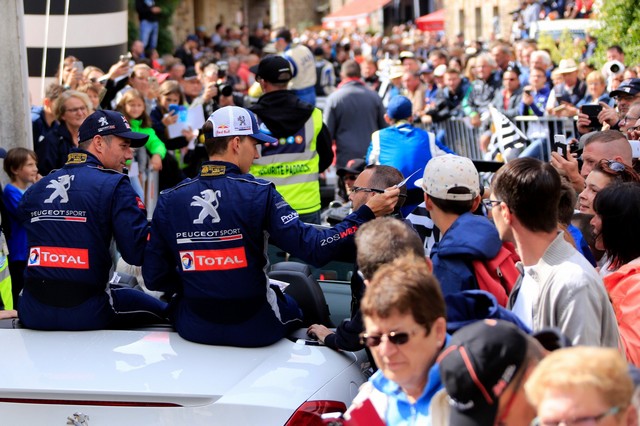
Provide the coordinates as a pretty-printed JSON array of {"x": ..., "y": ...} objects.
[{"x": 394, "y": 337}]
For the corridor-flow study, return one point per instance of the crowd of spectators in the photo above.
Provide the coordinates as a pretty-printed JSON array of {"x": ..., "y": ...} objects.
[{"x": 585, "y": 290}]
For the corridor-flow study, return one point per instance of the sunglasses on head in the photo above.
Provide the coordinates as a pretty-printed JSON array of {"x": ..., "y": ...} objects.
[{"x": 613, "y": 165}]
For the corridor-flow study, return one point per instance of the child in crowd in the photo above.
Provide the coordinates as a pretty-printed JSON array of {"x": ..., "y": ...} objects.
[
  {"x": 20, "y": 164},
  {"x": 132, "y": 106}
]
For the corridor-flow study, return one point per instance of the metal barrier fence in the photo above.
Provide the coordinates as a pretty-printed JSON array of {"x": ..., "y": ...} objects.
[{"x": 463, "y": 138}]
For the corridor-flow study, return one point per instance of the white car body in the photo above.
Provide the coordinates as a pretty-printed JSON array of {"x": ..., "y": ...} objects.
[{"x": 47, "y": 377}]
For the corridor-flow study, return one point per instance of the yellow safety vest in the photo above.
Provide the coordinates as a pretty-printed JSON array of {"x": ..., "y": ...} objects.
[
  {"x": 5, "y": 283},
  {"x": 292, "y": 164}
]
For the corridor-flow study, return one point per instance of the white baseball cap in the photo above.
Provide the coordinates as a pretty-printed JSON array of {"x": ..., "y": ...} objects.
[
  {"x": 236, "y": 121},
  {"x": 443, "y": 173}
]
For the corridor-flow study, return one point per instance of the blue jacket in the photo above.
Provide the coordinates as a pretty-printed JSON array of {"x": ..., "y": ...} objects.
[
  {"x": 403, "y": 146},
  {"x": 39, "y": 125},
  {"x": 71, "y": 217},
  {"x": 17, "y": 237},
  {"x": 539, "y": 102},
  {"x": 470, "y": 237},
  {"x": 209, "y": 245},
  {"x": 469, "y": 306}
]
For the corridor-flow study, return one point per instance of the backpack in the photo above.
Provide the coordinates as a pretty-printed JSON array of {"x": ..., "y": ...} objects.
[{"x": 498, "y": 275}]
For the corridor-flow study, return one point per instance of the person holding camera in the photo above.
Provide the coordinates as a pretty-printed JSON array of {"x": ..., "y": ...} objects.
[
  {"x": 303, "y": 149},
  {"x": 216, "y": 92}
]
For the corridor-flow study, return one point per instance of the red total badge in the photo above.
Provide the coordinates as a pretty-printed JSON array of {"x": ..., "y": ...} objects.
[
  {"x": 213, "y": 260},
  {"x": 59, "y": 257}
]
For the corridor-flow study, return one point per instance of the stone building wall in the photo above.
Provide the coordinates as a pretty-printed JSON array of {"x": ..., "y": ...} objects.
[
  {"x": 475, "y": 18},
  {"x": 290, "y": 13}
]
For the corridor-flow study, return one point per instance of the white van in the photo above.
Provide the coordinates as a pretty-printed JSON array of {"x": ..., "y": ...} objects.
[{"x": 577, "y": 27}]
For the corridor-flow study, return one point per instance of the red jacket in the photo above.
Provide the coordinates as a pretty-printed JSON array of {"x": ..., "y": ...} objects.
[{"x": 623, "y": 287}]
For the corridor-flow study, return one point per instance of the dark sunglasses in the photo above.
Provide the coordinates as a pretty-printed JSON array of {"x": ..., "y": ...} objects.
[
  {"x": 356, "y": 189},
  {"x": 394, "y": 337},
  {"x": 349, "y": 177}
]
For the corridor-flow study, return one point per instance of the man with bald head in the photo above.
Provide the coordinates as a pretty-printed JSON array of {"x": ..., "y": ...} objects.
[{"x": 609, "y": 144}]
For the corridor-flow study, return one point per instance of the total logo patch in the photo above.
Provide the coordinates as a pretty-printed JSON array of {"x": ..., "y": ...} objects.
[
  {"x": 213, "y": 260},
  {"x": 59, "y": 257}
]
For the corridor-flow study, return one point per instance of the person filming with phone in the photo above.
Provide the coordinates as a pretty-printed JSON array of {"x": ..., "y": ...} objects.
[
  {"x": 626, "y": 94},
  {"x": 608, "y": 144}
]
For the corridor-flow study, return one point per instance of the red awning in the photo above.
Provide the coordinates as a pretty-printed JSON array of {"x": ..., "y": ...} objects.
[
  {"x": 432, "y": 21},
  {"x": 355, "y": 13}
]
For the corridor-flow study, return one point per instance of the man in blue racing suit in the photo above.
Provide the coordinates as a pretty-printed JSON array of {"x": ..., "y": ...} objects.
[
  {"x": 209, "y": 236},
  {"x": 71, "y": 217}
]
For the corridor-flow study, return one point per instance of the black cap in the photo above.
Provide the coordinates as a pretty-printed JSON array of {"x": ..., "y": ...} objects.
[
  {"x": 478, "y": 365},
  {"x": 105, "y": 122},
  {"x": 627, "y": 87},
  {"x": 274, "y": 69},
  {"x": 354, "y": 166}
]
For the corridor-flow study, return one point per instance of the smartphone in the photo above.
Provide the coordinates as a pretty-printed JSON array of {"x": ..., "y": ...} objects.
[
  {"x": 560, "y": 145},
  {"x": 592, "y": 111},
  {"x": 180, "y": 110},
  {"x": 78, "y": 65}
]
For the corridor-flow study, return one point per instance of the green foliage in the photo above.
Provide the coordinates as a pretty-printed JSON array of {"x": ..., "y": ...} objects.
[
  {"x": 165, "y": 38},
  {"x": 563, "y": 48},
  {"x": 620, "y": 24}
]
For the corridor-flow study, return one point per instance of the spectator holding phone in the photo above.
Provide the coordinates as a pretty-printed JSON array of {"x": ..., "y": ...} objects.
[
  {"x": 596, "y": 91},
  {"x": 626, "y": 94},
  {"x": 608, "y": 144}
]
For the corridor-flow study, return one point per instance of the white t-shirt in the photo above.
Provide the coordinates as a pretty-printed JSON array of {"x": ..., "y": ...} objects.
[{"x": 523, "y": 306}]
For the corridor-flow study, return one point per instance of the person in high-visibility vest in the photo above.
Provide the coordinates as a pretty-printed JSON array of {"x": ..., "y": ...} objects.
[{"x": 303, "y": 147}]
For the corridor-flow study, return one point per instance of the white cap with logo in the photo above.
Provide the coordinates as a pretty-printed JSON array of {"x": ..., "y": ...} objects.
[
  {"x": 236, "y": 121},
  {"x": 449, "y": 171}
]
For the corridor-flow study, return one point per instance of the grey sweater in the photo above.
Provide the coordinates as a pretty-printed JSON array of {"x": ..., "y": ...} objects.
[{"x": 571, "y": 297}]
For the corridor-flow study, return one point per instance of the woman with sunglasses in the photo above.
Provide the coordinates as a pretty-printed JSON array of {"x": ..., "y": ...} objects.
[
  {"x": 617, "y": 230},
  {"x": 405, "y": 329},
  {"x": 582, "y": 386},
  {"x": 604, "y": 173}
]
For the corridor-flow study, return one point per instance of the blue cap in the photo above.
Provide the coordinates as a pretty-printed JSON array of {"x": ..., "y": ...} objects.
[
  {"x": 105, "y": 122},
  {"x": 399, "y": 107},
  {"x": 236, "y": 121}
]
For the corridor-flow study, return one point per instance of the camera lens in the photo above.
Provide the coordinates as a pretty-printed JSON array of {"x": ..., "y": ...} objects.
[
  {"x": 614, "y": 68},
  {"x": 226, "y": 90}
]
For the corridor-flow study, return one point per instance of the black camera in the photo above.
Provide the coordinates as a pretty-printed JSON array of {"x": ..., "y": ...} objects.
[{"x": 224, "y": 89}]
